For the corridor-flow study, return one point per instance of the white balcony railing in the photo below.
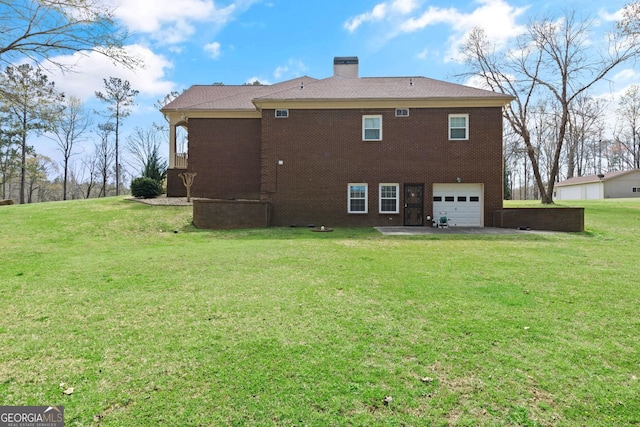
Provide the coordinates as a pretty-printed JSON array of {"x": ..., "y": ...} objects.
[{"x": 181, "y": 161}]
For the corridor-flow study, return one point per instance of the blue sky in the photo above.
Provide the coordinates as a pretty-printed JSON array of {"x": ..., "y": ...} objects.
[{"x": 186, "y": 42}]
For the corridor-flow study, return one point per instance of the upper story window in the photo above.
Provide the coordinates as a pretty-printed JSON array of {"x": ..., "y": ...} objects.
[
  {"x": 458, "y": 126},
  {"x": 402, "y": 112},
  {"x": 358, "y": 198},
  {"x": 282, "y": 113},
  {"x": 389, "y": 202},
  {"x": 372, "y": 128}
]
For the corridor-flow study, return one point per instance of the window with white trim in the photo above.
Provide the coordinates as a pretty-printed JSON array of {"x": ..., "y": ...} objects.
[
  {"x": 458, "y": 126},
  {"x": 358, "y": 198},
  {"x": 282, "y": 113},
  {"x": 372, "y": 128},
  {"x": 389, "y": 202},
  {"x": 402, "y": 112}
]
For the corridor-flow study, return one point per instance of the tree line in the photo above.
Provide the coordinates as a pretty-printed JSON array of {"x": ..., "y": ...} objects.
[
  {"x": 555, "y": 127},
  {"x": 31, "y": 106},
  {"x": 36, "y": 34}
]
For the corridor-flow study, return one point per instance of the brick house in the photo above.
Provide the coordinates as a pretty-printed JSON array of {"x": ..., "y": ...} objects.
[{"x": 345, "y": 150}]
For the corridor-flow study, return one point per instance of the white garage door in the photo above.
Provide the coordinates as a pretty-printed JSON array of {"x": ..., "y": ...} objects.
[{"x": 462, "y": 204}]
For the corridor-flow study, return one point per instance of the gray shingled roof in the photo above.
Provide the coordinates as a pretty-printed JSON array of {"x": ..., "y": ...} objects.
[
  {"x": 337, "y": 88},
  {"x": 343, "y": 88},
  {"x": 592, "y": 178},
  {"x": 223, "y": 97}
]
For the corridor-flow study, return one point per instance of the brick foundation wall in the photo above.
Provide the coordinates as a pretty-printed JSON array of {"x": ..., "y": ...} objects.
[
  {"x": 230, "y": 214},
  {"x": 322, "y": 152},
  {"x": 551, "y": 219},
  {"x": 175, "y": 187}
]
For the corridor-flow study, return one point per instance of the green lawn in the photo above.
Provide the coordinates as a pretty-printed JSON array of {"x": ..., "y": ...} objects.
[{"x": 285, "y": 327}]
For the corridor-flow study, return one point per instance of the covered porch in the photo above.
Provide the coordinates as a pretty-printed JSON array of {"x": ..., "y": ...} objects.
[{"x": 178, "y": 154}]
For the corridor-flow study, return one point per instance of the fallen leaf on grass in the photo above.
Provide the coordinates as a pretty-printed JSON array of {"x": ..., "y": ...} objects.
[{"x": 68, "y": 391}]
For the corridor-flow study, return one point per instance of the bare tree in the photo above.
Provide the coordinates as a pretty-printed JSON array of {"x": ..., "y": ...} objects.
[
  {"x": 31, "y": 104},
  {"x": 556, "y": 57},
  {"x": 144, "y": 146},
  {"x": 627, "y": 131},
  {"x": 44, "y": 29},
  {"x": 119, "y": 95},
  {"x": 38, "y": 170},
  {"x": 90, "y": 164},
  {"x": 68, "y": 129},
  {"x": 104, "y": 155},
  {"x": 9, "y": 159},
  {"x": 630, "y": 22},
  {"x": 586, "y": 126}
]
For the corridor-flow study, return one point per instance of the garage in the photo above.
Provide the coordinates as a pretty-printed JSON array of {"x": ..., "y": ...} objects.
[{"x": 462, "y": 204}]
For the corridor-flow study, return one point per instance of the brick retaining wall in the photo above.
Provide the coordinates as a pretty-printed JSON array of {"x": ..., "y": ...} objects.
[
  {"x": 227, "y": 214},
  {"x": 552, "y": 219}
]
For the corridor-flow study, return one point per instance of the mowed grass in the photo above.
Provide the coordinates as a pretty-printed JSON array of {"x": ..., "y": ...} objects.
[{"x": 152, "y": 322}]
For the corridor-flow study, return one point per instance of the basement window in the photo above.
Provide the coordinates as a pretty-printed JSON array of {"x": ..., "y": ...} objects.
[
  {"x": 389, "y": 198},
  {"x": 282, "y": 113},
  {"x": 357, "y": 198},
  {"x": 402, "y": 112}
]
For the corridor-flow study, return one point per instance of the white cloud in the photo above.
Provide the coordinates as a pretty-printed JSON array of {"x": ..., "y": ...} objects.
[
  {"x": 615, "y": 16},
  {"x": 496, "y": 17},
  {"x": 627, "y": 75},
  {"x": 423, "y": 54},
  {"x": 172, "y": 22},
  {"x": 92, "y": 68},
  {"x": 293, "y": 68},
  {"x": 213, "y": 49},
  {"x": 382, "y": 11}
]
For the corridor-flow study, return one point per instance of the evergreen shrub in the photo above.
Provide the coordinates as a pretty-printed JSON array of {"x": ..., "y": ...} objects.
[{"x": 146, "y": 188}]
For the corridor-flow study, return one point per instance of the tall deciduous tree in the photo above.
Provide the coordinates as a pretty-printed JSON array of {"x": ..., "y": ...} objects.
[
  {"x": 9, "y": 158},
  {"x": 556, "y": 58},
  {"x": 69, "y": 127},
  {"x": 627, "y": 132},
  {"x": 586, "y": 126},
  {"x": 31, "y": 104},
  {"x": 119, "y": 95},
  {"x": 42, "y": 30},
  {"x": 104, "y": 155}
]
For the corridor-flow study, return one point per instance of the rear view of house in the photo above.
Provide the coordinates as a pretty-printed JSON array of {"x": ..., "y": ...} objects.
[{"x": 345, "y": 150}]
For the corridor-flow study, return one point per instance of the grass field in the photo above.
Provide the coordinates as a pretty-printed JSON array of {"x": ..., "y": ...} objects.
[{"x": 144, "y": 326}]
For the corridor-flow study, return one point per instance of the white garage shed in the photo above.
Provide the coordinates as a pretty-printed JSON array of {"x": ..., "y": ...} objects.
[{"x": 610, "y": 185}]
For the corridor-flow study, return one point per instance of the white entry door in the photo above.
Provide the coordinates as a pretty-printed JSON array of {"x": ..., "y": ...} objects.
[{"x": 462, "y": 204}]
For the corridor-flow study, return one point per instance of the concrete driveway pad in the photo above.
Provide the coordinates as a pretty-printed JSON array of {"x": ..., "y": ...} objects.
[{"x": 416, "y": 231}]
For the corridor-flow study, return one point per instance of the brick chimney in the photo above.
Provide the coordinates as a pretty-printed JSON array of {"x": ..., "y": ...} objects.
[{"x": 345, "y": 66}]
